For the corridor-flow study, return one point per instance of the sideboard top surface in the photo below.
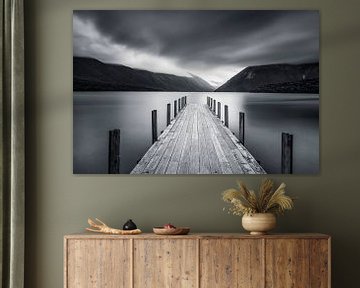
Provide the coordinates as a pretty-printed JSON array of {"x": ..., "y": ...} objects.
[{"x": 86, "y": 235}]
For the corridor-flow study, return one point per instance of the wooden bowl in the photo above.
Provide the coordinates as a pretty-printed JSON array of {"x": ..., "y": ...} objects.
[{"x": 171, "y": 231}]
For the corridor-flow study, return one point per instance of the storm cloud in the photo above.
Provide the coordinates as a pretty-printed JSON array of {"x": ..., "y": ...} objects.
[{"x": 214, "y": 45}]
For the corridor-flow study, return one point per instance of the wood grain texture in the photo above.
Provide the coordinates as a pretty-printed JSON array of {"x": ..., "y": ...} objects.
[
  {"x": 287, "y": 263},
  {"x": 197, "y": 142},
  {"x": 98, "y": 263},
  {"x": 197, "y": 260},
  {"x": 231, "y": 263},
  {"x": 88, "y": 235},
  {"x": 165, "y": 263},
  {"x": 319, "y": 263}
]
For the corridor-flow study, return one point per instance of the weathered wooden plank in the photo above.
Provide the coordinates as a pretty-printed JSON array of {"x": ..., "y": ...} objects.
[
  {"x": 236, "y": 151},
  {"x": 155, "y": 160},
  {"x": 224, "y": 163},
  {"x": 210, "y": 148},
  {"x": 140, "y": 168},
  {"x": 185, "y": 154},
  {"x": 194, "y": 148},
  {"x": 226, "y": 148},
  {"x": 204, "y": 149},
  {"x": 174, "y": 136},
  {"x": 174, "y": 162},
  {"x": 248, "y": 162},
  {"x": 238, "y": 163},
  {"x": 197, "y": 142}
]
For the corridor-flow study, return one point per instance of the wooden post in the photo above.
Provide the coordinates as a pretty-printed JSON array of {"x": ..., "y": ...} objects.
[
  {"x": 286, "y": 153},
  {"x": 210, "y": 103},
  {"x": 168, "y": 114},
  {"x": 154, "y": 125},
  {"x": 207, "y": 101},
  {"x": 242, "y": 127},
  {"x": 185, "y": 100},
  {"x": 219, "y": 110},
  {"x": 226, "y": 115},
  {"x": 214, "y": 106},
  {"x": 175, "y": 108},
  {"x": 114, "y": 152},
  {"x": 179, "y": 105}
]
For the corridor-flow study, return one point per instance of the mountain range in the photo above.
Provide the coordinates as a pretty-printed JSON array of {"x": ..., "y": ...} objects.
[
  {"x": 275, "y": 78},
  {"x": 93, "y": 75}
]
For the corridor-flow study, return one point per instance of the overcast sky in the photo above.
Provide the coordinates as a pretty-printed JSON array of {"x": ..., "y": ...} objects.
[{"x": 214, "y": 45}]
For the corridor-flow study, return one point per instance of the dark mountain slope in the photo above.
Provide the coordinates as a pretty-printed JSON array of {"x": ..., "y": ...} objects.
[
  {"x": 275, "y": 78},
  {"x": 92, "y": 75}
]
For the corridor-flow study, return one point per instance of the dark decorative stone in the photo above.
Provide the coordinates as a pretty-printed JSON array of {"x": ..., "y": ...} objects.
[{"x": 129, "y": 225}]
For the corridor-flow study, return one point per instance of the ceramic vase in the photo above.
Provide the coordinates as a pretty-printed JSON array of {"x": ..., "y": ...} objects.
[{"x": 259, "y": 223}]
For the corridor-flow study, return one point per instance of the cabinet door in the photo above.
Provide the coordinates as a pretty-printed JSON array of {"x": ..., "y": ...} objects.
[
  {"x": 98, "y": 263},
  {"x": 231, "y": 263},
  {"x": 287, "y": 263},
  {"x": 165, "y": 263},
  {"x": 320, "y": 263}
]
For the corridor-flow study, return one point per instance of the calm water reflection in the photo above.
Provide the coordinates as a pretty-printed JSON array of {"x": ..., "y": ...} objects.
[{"x": 266, "y": 117}]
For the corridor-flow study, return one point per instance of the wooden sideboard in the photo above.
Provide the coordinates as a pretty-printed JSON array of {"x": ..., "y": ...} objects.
[{"x": 197, "y": 260}]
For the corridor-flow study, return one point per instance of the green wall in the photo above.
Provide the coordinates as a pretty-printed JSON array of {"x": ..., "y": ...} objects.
[{"x": 59, "y": 202}]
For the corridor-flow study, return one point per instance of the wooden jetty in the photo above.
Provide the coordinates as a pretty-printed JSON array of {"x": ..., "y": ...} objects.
[{"x": 197, "y": 142}]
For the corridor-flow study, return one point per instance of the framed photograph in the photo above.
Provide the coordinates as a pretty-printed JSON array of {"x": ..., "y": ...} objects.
[{"x": 195, "y": 92}]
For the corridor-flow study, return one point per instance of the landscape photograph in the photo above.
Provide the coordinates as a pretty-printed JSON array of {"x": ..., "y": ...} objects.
[{"x": 196, "y": 92}]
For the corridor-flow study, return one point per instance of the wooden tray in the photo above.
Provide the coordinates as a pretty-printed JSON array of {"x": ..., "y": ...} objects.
[{"x": 171, "y": 231}]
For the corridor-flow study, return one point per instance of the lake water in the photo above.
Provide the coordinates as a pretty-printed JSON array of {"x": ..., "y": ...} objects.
[{"x": 266, "y": 117}]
